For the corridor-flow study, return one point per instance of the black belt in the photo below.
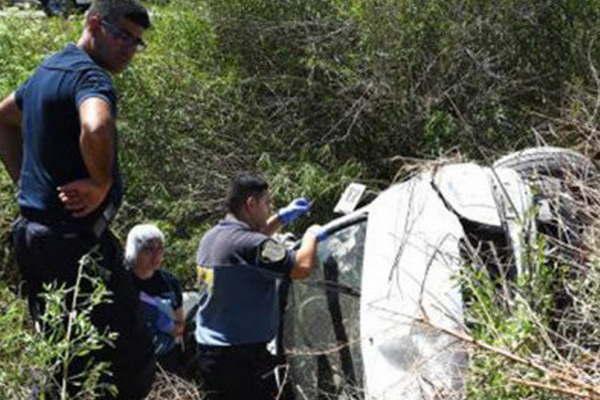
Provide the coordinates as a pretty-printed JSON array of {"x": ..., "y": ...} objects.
[
  {"x": 249, "y": 348},
  {"x": 93, "y": 227}
]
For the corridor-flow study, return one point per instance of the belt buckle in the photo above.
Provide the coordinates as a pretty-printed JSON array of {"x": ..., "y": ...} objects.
[
  {"x": 99, "y": 226},
  {"x": 104, "y": 219}
]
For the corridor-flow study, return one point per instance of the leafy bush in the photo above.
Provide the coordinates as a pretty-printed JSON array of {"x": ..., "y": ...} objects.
[
  {"x": 36, "y": 359},
  {"x": 369, "y": 77},
  {"x": 14, "y": 340},
  {"x": 224, "y": 84},
  {"x": 515, "y": 351}
]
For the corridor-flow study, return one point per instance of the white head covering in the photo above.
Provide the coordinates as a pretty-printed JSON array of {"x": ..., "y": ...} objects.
[{"x": 140, "y": 236}]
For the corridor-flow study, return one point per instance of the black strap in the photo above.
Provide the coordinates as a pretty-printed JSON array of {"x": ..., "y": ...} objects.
[{"x": 331, "y": 271}]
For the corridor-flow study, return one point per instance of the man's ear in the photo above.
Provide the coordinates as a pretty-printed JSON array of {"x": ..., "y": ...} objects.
[
  {"x": 93, "y": 21},
  {"x": 250, "y": 203}
]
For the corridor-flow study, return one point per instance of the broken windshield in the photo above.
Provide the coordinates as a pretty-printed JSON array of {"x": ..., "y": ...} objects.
[{"x": 322, "y": 320}]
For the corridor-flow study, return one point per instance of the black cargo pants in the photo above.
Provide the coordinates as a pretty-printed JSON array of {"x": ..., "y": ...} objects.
[
  {"x": 48, "y": 254},
  {"x": 237, "y": 372}
]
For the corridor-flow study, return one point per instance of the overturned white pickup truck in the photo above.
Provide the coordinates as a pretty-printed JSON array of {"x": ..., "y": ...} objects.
[{"x": 369, "y": 323}]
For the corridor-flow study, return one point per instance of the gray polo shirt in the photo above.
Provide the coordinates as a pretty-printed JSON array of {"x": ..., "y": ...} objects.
[{"x": 238, "y": 269}]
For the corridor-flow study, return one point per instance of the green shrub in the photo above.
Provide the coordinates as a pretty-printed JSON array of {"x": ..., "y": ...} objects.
[
  {"x": 35, "y": 357},
  {"x": 525, "y": 343},
  {"x": 224, "y": 83}
]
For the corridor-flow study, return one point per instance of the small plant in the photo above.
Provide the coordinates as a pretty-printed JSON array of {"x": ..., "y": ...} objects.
[{"x": 38, "y": 358}]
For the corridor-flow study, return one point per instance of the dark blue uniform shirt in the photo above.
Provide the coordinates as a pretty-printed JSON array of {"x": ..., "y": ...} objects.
[
  {"x": 49, "y": 101},
  {"x": 239, "y": 270}
]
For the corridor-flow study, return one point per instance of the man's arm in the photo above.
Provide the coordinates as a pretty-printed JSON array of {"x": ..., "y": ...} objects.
[
  {"x": 179, "y": 321},
  {"x": 97, "y": 149},
  {"x": 273, "y": 225},
  {"x": 11, "y": 141},
  {"x": 306, "y": 256}
]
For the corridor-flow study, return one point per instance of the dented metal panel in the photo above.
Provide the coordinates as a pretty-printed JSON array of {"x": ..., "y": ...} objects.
[{"x": 411, "y": 257}]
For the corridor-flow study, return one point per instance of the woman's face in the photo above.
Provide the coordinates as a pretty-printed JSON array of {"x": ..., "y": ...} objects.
[{"x": 150, "y": 256}]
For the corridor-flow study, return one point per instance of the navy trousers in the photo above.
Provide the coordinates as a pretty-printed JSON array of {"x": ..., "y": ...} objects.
[
  {"x": 237, "y": 372},
  {"x": 51, "y": 253}
]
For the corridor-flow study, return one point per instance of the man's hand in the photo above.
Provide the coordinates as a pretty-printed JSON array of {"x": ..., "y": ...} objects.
[
  {"x": 317, "y": 231},
  {"x": 306, "y": 256},
  {"x": 292, "y": 211},
  {"x": 178, "y": 329},
  {"x": 82, "y": 197}
]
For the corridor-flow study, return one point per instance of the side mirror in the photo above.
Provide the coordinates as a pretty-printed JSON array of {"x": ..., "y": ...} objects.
[{"x": 350, "y": 198}]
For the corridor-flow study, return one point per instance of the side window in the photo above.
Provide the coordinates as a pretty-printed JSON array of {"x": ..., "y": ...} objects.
[{"x": 322, "y": 320}]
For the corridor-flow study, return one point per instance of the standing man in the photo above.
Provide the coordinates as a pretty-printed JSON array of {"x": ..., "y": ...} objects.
[
  {"x": 58, "y": 142},
  {"x": 239, "y": 265}
]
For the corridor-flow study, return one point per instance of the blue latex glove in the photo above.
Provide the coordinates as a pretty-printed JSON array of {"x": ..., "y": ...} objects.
[
  {"x": 164, "y": 323},
  {"x": 292, "y": 211},
  {"x": 162, "y": 310},
  {"x": 322, "y": 235},
  {"x": 319, "y": 232}
]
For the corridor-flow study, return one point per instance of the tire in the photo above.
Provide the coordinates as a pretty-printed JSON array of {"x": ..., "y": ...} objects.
[
  {"x": 559, "y": 179},
  {"x": 549, "y": 161}
]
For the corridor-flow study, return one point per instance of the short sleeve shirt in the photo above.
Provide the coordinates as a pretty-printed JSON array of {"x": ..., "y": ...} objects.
[
  {"x": 239, "y": 270},
  {"x": 49, "y": 101}
]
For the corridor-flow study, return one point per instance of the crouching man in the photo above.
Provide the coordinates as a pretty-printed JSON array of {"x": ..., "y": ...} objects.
[{"x": 239, "y": 265}]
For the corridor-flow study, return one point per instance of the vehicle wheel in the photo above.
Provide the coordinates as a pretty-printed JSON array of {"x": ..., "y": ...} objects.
[
  {"x": 561, "y": 181},
  {"x": 549, "y": 161}
]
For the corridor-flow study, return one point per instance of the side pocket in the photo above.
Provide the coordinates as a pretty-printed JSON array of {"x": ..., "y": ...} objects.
[
  {"x": 23, "y": 254},
  {"x": 37, "y": 246},
  {"x": 49, "y": 255}
]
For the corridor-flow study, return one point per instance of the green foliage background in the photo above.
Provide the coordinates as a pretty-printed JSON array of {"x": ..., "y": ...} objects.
[{"x": 318, "y": 93}]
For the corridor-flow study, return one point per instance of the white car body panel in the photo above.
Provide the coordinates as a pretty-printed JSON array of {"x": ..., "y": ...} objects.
[
  {"x": 412, "y": 239},
  {"x": 409, "y": 270},
  {"x": 468, "y": 189},
  {"x": 516, "y": 207}
]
